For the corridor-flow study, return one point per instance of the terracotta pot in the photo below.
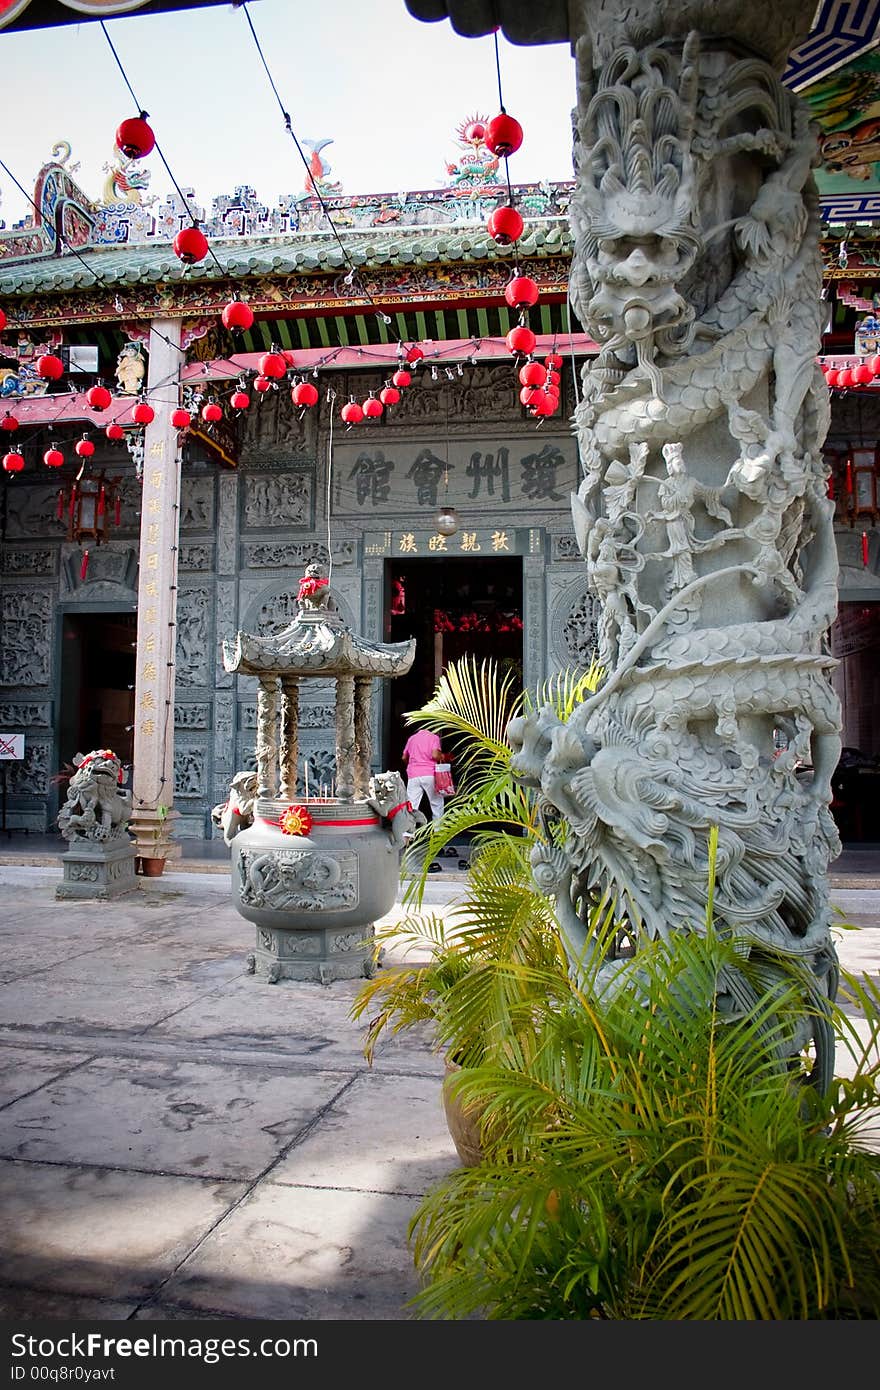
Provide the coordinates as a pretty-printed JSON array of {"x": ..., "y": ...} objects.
[
  {"x": 463, "y": 1122},
  {"x": 152, "y": 868}
]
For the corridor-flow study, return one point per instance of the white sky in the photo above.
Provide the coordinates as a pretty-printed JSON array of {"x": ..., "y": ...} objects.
[{"x": 388, "y": 89}]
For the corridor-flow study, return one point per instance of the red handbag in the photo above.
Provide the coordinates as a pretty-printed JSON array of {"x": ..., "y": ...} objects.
[{"x": 443, "y": 779}]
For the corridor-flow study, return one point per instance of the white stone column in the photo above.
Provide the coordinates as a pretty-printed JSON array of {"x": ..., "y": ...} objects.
[{"x": 153, "y": 768}]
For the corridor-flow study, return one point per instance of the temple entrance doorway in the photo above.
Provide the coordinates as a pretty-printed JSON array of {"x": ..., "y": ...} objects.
[
  {"x": 855, "y": 641},
  {"x": 98, "y": 657},
  {"x": 453, "y": 607}
]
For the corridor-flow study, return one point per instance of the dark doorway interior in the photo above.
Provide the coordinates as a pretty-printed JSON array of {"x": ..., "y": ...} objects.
[
  {"x": 855, "y": 641},
  {"x": 454, "y": 608},
  {"x": 97, "y": 684}
]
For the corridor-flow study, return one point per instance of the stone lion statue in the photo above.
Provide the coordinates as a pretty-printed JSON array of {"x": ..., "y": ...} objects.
[
  {"x": 388, "y": 797},
  {"x": 97, "y": 807},
  {"x": 237, "y": 811}
]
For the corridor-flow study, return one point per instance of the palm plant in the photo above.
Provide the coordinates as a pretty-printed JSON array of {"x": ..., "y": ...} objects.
[{"x": 651, "y": 1157}]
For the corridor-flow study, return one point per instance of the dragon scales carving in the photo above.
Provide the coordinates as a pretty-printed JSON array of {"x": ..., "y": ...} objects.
[{"x": 702, "y": 514}]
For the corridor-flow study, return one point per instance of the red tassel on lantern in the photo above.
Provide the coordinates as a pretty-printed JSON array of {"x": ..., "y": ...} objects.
[
  {"x": 865, "y": 549},
  {"x": 849, "y": 476},
  {"x": 72, "y": 507},
  {"x": 59, "y": 512},
  {"x": 102, "y": 506},
  {"x": 84, "y": 567},
  {"x": 118, "y": 511}
]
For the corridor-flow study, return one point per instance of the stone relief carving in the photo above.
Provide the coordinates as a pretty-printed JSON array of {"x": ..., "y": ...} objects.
[
  {"x": 279, "y": 499},
  {"x": 19, "y": 715},
  {"x": 196, "y": 503},
  {"x": 31, "y": 511},
  {"x": 190, "y": 772},
  {"x": 196, "y": 556},
  {"x": 28, "y": 562},
  {"x": 196, "y": 716},
  {"x": 565, "y": 548},
  {"x": 702, "y": 515},
  {"x": 194, "y": 650},
  {"x": 107, "y": 567},
  {"x": 294, "y": 878},
  {"x": 30, "y": 775},
  {"x": 276, "y": 422},
  {"x": 227, "y": 523},
  {"x": 579, "y": 630},
  {"x": 25, "y": 632},
  {"x": 291, "y": 554},
  {"x": 310, "y": 716},
  {"x": 277, "y": 608}
]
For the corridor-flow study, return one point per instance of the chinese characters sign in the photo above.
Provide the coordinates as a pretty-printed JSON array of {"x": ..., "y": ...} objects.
[{"x": 405, "y": 480}]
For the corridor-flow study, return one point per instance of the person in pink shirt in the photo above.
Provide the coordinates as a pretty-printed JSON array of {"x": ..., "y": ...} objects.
[{"x": 421, "y": 752}]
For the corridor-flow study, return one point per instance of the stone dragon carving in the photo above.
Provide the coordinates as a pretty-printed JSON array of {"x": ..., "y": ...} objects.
[{"x": 702, "y": 513}]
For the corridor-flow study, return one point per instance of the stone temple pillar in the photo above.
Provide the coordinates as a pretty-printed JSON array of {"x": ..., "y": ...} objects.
[
  {"x": 363, "y": 743},
  {"x": 267, "y": 714},
  {"x": 345, "y": 738},
  {"x": 288, "y": 736},
  {"x": 702, "y": 514}
]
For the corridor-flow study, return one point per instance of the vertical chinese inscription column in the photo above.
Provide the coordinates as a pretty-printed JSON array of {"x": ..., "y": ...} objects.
[
  {"x": 363, "y": 742},
  {"x": 289, "y": 736},
  {"x": 153, "y": 770}
]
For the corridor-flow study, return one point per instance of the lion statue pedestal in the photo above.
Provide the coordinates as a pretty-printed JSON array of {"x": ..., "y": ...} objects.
[{"x": 93, "y": 820}]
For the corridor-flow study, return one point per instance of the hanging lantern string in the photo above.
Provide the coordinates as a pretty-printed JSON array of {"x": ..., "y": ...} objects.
[
  {"x": 503, "y": 112},
  {"x": 191, "y": 215},
  {"x": 352, "y": 268},
  {"x": 331, "y": 397},
  {"x": 98, "y": 279}
]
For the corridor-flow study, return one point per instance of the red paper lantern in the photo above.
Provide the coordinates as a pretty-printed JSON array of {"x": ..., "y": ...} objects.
[
  {"x": 505, "y": 225},
  {"x": 50, "y": 367},
  {"x": 180, "y": 418},
  {"x": 389, "y": 395},
  {"x": 504, "y": 135},
  {"x": 237, "y": 315},
  {"x": 289, "y": 356},
  {"x": 190, "y": 245},
  {"x": 305, "y": 393},
  {"x": 239, "y": 400},
  {"x": 553, "y": 378},
  {"x": 862, "y": 374},
  {"x": 521, "y": 292},
  {"x": 53, "y": 458},
  {"x": 352, "y": 413},
  {"x": 832, "y": 376},
  {"x": 544, "y": 405},
  {"x": 114, "y": 431},
  {"x": 272, "y": 364},
  {"x": 143, "y": 413},
  {"x": 2, "y": 320},
  {"x": 521, "y": 339},
  {"x": 84, "y": 448},
  {"x": 212, "y": 412},
  {"x": 12, "y": 462},
  {"x": 529, "y": 394},
  {"x": 8, "y": 423},
  {"x": 874, "y": 364},
  {"x": 845, "y": 378},
  {"x": 532, "y": 374},
  {"x": 401, "y": 378},
  {"x": 415, "y": 354},
  {"x": 262, "y": 383},
  {"x": 553, "y": 362},
  {"x": 865, "y": 549},
  {"x": 135, "y": 137},
  {"x": 98, "y": 397},
  {"x": 373, "y": 408}
]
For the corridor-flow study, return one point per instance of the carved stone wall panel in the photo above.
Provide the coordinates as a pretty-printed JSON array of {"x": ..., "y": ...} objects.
[
  {"x": 534, "y": 620},
  {"x": 32, "y": 511},
  {"x": 564, "y": 548},
  {"x": 111, "y": 573},
  {"x": 310, "y": 716},
  {"x": 196, "y": 502},
  {"x": 227, "y": 523},
  {"x": 276, "y": 425},
  {"x": 29, "y": 563},
  {"x": 267, "y": 609},
  {"x": 30, "y": 776},
  {"x": 292, "y": 554},
  {"x": 572, "y": 620},
  {"x": 195, "y": 647},
  {"x": 196, "y": 555},
  {"x": 226, "y": 606},
  {"x": 373, "y": 598},
  {"x": 224, "y": 761},
  {"x": 279, "y": 499},
  {"x": 192, "y": 716},
  {"x": 20, "y": 715},
  {"x": 190, "y": 771},
  {"x": 26, "y": 629}
]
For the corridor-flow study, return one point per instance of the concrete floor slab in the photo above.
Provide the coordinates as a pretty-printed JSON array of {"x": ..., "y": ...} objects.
[
  {"x": 166, "y": 1117},
  {"x": 94, "y": 1232},
  {"x": 384, "y": 1134},
  {"x": 24, "y": 1069},
  {"x": 25, "y": 1305},
  {"x": 304, "y": 1253}
]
